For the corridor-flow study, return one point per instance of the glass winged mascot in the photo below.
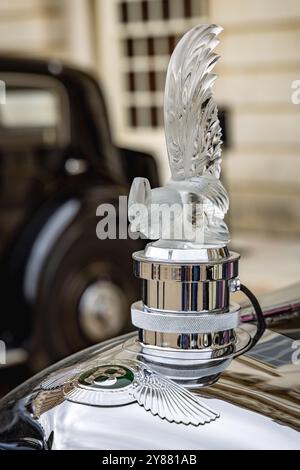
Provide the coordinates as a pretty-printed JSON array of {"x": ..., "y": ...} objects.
[
  {"x": 193, "y": 138},
  {"x": 154, "y": 388}
]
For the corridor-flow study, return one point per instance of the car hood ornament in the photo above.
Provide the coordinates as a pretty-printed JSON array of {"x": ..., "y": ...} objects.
[
  {"x": 193, "y": 138},
  {"x": 188, "y": 327}
]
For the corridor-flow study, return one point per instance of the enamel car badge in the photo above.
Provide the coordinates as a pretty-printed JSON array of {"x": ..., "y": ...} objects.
[
  {"x": 117, "y": 384},
  {"x": 104, "y": 385}
]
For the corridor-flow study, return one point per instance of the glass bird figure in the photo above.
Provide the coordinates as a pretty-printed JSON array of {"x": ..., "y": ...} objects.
[{"x": 192, "y": 205}]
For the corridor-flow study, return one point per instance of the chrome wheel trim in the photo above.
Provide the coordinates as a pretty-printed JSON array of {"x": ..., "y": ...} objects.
[{"x": 101, "y": 310}]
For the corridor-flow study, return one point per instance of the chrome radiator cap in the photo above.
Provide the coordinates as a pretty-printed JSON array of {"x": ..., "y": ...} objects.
[{"x": 188, "y": 329}]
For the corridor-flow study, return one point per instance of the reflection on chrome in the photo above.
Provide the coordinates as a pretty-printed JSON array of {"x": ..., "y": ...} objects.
[
  {"x": 257, "y": 399},
  {"x": 265, "y": 379}
]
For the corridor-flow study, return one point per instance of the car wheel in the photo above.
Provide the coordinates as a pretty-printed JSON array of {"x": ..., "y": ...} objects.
[{"x": 84, "y": 294}]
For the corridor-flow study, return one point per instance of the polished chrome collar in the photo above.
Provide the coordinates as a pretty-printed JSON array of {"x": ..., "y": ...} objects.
[{"x": 185, "y": 313}]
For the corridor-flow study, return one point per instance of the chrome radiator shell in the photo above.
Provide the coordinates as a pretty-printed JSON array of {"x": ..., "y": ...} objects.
[{"x": 256, "y": 401}]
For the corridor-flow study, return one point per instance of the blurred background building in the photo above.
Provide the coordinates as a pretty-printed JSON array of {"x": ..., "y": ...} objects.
[{"x": 127, "y": 44}]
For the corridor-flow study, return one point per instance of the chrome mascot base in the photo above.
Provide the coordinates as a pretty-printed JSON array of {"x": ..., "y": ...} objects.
[
  {"x": 188, "y": 328},
  {"x": 178, "y": 383}
]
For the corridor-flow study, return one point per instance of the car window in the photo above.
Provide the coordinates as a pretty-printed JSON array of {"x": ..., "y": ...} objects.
[
  {"x": 35, "y": 112},
  {"x": 30, "y": 108}
]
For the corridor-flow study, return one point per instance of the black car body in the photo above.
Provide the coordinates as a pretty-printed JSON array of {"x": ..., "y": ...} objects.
[{"x": 58, "y": 162}]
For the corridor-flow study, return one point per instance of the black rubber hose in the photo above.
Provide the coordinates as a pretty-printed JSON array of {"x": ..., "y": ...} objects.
[{"x": 261, "y": 323}]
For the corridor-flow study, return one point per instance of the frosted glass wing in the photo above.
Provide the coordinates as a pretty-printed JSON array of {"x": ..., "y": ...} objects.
[
  {"x": 192, "y": 128},
  {"x": 193, "y": 138}
]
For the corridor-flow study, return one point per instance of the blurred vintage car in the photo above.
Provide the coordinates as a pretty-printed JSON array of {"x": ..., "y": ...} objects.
[{"x": 61, "y": 288}]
